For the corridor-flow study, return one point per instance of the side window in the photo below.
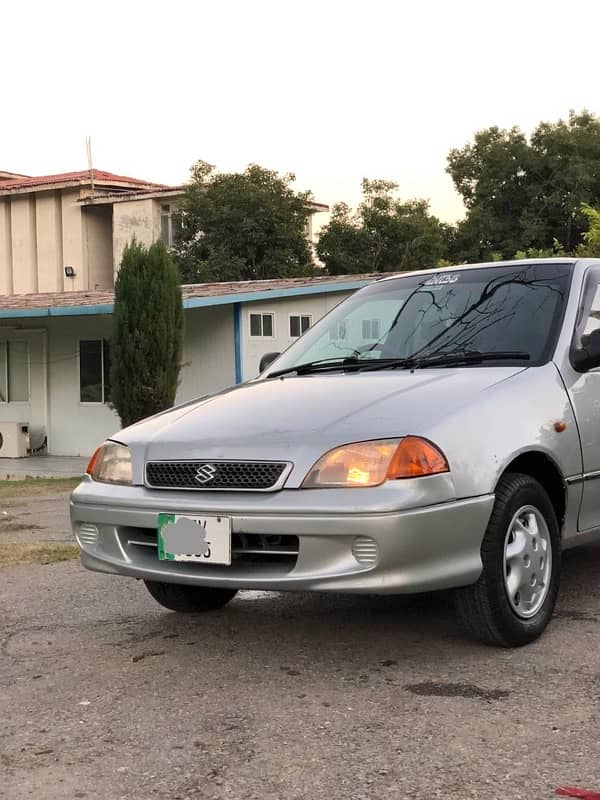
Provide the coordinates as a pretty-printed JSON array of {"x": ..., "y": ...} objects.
[
  {"x": 171, "y": 221},
  {"x": 14, "y": 372},
  {"x": 94, "y": 371},
  {"x": 261, "y": 325},
  {"x": 299, "y": 324},
  {"x": 588, "y": 317},
  {"x": 592, "y": 322},
  {"x": 588, "y": 320}
]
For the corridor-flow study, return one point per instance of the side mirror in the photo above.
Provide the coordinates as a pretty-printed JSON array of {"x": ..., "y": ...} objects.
[
  {"x": 267, "y": 360},
  {"x": 587, "y": 356}
]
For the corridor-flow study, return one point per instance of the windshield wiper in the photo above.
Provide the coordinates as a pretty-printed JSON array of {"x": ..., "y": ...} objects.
[
  {"x": 449, "y": 359},
  {"x": 346, "y": 363},
  {"x": 354, "y": 364},
  {"x": 318, "y": 366}
]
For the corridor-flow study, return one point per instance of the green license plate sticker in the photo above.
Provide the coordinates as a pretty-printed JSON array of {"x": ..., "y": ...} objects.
[{"x": 183, "y": 537}]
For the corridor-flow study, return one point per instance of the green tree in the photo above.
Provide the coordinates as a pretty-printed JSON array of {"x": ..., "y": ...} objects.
[
  {"x": 490, "y": 175},
  {"x": 344, "y": 244},
  {"x": 147, "y": 333},
  {"x": 566, "y": 159},
  {"x": 242, "y": 226},
  {"x": 383, "y": 235},
  {"x": 525, "y": 194},
  {"x": 590, "y": 247}
]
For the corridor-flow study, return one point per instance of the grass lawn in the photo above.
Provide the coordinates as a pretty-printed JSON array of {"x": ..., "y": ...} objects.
[
  {"x": 42, "y": 553},
  {"x": 36, "y": 486},
  {"x": 26, "y": 515}
]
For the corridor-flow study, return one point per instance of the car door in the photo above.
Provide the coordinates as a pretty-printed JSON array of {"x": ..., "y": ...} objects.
[{"x": 584, "y": 390}]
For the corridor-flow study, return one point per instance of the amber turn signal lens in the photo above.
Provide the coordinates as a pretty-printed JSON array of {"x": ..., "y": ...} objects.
[
  {"x": 92, "y": 463},
  {"x": 363, "y": 464},
  {"x": 415, "y": 457}
]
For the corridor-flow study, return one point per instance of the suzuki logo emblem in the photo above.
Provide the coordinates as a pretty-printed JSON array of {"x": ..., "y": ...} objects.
[{"x": 205, "y": 473}]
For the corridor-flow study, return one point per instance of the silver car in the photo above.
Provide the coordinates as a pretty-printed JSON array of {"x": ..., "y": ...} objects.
[{"x": 439, "y": 430}]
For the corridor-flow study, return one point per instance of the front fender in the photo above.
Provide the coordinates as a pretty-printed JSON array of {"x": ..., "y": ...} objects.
[{"x": 509, "y": 419}]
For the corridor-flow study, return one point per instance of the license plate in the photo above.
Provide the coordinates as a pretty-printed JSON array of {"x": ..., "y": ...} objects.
[{"x": 189, "y": 538}]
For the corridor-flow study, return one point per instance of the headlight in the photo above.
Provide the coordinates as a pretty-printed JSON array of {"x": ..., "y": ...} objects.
[
  {"x": 111, "y": 463},
  {"x": 372, "y": 463}
]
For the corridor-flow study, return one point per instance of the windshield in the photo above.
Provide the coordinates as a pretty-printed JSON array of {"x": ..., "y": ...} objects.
[{"x": 486, "y": 310}]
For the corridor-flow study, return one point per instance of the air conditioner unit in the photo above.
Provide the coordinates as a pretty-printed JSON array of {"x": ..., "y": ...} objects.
[{"x": 14, "y": 439}]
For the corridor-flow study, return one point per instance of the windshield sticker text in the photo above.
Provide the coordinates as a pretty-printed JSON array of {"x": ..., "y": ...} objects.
[{"x": 441, "y": 280}]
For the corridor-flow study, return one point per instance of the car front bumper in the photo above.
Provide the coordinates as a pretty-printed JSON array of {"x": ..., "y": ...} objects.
[{"x": 409, "y": 550}]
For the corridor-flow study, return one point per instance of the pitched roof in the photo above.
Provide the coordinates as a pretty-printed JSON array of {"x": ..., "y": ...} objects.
[
  {"x": 11, "y": 176},
  {"x": 82, "y": 177},
  {"x": 195, "y": 295}
]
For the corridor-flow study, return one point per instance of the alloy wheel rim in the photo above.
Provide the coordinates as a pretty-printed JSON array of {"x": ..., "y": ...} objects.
[{"x": 527, "y": 561}]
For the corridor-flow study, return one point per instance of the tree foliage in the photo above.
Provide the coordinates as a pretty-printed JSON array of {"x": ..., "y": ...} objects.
[
  {"x": 590, "y": 247},
  {"x": 242, "y": 226},
  {"x": 525, "y": 194},
  {"x": 383, "y": 235},
  {"x": 147, "y": 333}
]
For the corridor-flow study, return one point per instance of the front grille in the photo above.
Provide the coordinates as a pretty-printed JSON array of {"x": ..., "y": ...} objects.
[
  {"x": 241, "y": 475},
  {"x": 261, "y": 548},
  {"x": 246, "y": 548}
]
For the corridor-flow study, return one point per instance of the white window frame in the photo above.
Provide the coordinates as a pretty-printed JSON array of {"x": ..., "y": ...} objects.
[
  {"x": 4, "y": 346},
  {"x": 261, "y": 314},
  {"x": 104, "y": 401},
  {"x": 300, "y": 317},
  {"x": 167, "y": 210}
]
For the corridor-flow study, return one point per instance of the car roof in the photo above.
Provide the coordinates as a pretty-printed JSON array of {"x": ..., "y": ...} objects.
[{"x": 567, "y": 262}]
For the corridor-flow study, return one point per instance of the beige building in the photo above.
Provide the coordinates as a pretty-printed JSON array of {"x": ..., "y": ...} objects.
[
  {"x": 67, "y": 232},
  {"x": 61, "y": 242},
  {"x": 51, "y": 240}
]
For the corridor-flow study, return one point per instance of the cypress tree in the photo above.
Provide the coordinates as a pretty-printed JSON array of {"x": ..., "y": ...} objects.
[{"x": 147, "y": 333}]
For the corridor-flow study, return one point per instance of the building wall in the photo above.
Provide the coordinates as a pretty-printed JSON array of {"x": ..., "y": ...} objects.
[
  {"x": 132, "y": 218},
  {"x": 49, "y": 242},
  {"x": 315, "y": 305},
  {"x": 72, "y": 238},
  {"x": 75, "y": 428},
  {"x": 208, "y": 365},
  {"x": 24, "y": 252},
  {"x": 99, "y": 246},
  {"x": 208, "y": 353},
  {"x": 6, "y": 273},
  {"x": 43, "y": 232}
]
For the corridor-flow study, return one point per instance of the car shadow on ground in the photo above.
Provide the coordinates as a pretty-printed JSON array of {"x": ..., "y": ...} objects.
[
  {"x": 361, "y": 632},
  {"x": 289, "y": 633}
]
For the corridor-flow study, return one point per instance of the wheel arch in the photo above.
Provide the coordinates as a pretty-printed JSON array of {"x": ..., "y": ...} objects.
[{"x": 540, "y": 466}]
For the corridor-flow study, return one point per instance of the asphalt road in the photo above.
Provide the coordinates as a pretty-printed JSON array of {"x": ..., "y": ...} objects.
[{"x": 105, "y": 695}]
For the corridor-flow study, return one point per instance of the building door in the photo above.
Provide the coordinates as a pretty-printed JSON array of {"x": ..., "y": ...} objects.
[{"x": 23, "y": 381}]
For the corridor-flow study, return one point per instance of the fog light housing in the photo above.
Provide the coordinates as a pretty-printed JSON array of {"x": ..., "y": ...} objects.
[
  {"x": 365, "y": 550},
  {"x": 87, "y": 534}
]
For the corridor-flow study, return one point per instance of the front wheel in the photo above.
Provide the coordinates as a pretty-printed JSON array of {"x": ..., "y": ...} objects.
[
  {"x": 513, "y": 600},
  {"x": 189, "y": 599}
]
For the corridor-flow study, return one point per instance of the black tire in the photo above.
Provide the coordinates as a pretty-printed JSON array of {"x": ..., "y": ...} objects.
[
  {"x": 189, "y": 599},
  {"x": 484, "y": 609}
]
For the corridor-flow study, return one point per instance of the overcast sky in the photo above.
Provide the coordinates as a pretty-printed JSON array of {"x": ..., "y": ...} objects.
[{"x": 332, "y": 91}]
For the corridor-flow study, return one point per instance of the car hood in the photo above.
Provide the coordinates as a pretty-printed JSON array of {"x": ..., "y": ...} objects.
[{"x": 299, "y": 418}]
